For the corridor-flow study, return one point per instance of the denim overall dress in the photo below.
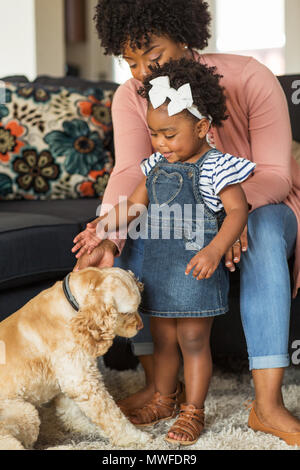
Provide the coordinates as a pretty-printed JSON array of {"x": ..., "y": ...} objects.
[{"x": 176, "y": 207}]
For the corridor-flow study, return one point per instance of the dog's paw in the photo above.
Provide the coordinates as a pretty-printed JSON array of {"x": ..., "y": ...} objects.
[
  {"x": 136, "y": 439},
  {"x": 145, "y": 438},
  {"x": 10, "y": 443}
]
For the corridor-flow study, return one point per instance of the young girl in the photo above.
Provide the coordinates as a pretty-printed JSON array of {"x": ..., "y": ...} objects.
[{"x": 193, "y": 194}]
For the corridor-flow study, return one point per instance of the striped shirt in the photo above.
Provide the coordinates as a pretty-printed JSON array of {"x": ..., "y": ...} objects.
[{"x": 218, "y": 171}]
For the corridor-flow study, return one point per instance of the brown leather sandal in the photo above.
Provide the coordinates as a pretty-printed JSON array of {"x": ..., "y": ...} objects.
[
  {"x": 156, "y": 409},
  {"x": 189, "y": 422}
]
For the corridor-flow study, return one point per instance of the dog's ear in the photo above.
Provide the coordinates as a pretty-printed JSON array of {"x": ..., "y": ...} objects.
[
  {"x": 138, "y": 283},
  {"x": 140, "y": 286},
  {"x": 94, "y": 327}
]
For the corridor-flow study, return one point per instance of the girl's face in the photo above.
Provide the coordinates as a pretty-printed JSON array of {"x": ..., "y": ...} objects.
[
  {"x": 160, "y": 50},
  {"x": 179, "y": 138}
]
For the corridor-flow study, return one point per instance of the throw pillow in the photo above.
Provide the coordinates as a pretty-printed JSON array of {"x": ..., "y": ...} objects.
[{"x": 55, "y": 142}]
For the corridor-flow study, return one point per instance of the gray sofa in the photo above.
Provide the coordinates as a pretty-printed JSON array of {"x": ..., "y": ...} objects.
[{"x": 36, "y": 241}]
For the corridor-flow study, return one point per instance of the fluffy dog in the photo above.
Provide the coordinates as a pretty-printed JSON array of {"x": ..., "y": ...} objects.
[{"x": 50, "y": 350}]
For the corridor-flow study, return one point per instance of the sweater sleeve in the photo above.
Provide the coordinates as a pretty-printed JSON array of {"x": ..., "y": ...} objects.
[
  {"x": 132, "y": 144},
  {"x": 270, "y": 136}
]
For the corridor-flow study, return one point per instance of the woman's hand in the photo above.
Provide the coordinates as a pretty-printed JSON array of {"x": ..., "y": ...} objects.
[
  {"x": 101, "y": 257},
  {"x": 86, "y": 240},
  {"x": 233, "y": 255},
  {"x": 204, "y": 263}
]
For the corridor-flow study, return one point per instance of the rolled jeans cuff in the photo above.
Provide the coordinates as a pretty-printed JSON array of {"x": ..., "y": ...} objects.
[
  {"x": 142, "y": 349},
  {"x": 269, "y": 362}
]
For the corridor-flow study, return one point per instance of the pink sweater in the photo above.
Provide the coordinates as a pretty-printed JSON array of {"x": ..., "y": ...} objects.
[{"x": 258, "y": 128}]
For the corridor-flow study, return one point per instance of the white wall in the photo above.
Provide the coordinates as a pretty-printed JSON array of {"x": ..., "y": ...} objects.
[
  {"x": 94, "y": 65},
  {"x": 32, "y": 33},
  {"x": 33, "y": 42},
  {"x": 292, "y": 26},
  {"x": 88, "y": 55},
  {"x": 17, "y": 26},
  {"x": 292, "y": 49},
  {"x": 50, "y": 37},
  {"x": 212, "y": 41}
]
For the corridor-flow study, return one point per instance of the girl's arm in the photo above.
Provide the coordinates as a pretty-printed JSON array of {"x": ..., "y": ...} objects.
[
  {"x": 119, "y": 217},
  {"x": 236, "y": 207},
  {"x": 206, "y": 261}
]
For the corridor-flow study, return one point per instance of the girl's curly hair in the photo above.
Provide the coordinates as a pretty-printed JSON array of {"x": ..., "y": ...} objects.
[
  {"x": 208, "y": 94},
  {"x": 119, "y": 22}
]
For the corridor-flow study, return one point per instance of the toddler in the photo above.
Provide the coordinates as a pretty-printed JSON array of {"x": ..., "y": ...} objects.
[{"x": 196, "y": 211}]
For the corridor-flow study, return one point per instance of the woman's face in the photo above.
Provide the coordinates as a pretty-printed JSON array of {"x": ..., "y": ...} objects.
[{"x": 160, "y": 50}]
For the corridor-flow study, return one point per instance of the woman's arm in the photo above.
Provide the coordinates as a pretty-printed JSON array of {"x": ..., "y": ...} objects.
[
  {"x": 269, "y": 134},
  {"x": 132, "y": 144}
]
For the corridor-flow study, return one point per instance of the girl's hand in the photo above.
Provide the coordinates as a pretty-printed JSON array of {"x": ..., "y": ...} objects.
[
  {"x": 86, "y": 240},
  {"x": 233, "y": 255},
  {"x": 204, "y": 263}
]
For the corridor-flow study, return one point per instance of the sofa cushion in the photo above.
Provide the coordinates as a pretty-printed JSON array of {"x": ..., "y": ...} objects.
[
  {"x": 15, "y": 79},
  {"x": 79, "y": 211},
  {"x": 73, "y": 82},
  {"x": 55, "y": 142},
  {"x": 37, "y": 236}
]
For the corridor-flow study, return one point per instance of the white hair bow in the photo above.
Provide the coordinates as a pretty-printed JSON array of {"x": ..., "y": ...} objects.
[{"x": 179, "y": 99}]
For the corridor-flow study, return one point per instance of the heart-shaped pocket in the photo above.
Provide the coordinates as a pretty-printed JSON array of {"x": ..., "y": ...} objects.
[{"x": 166, "y": 186}]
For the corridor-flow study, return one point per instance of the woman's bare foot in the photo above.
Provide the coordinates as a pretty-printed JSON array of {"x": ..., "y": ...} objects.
[{"x": 138, "y": 399}]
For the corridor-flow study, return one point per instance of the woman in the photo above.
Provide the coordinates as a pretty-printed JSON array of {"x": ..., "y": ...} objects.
[{"x": 145, "y": 32}]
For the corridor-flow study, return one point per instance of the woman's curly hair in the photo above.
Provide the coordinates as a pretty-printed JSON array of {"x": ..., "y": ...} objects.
[
  {"x": 208, "y": 94},
  {"x": 119, "y": 22}
]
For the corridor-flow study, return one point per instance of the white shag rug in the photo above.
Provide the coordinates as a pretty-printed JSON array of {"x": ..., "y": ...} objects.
[{"x": 226, "y": 416}]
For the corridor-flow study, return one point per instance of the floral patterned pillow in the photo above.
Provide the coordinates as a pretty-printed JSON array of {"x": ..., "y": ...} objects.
[{"x": 55, "y": 143}]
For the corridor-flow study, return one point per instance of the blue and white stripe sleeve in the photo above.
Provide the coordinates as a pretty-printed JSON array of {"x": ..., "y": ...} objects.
[
  {"x": 230, "y": 170},
  {"x": 149, "y": 163}
]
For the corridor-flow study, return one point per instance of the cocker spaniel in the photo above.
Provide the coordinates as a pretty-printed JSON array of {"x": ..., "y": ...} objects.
[{"x": 49, "y": 350}]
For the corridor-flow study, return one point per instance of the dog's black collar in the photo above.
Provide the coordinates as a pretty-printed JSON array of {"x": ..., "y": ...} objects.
[{"x": 69, "y": 296}]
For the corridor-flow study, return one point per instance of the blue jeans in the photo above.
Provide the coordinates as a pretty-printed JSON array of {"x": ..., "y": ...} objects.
[{"x": 265, "y": 291}]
